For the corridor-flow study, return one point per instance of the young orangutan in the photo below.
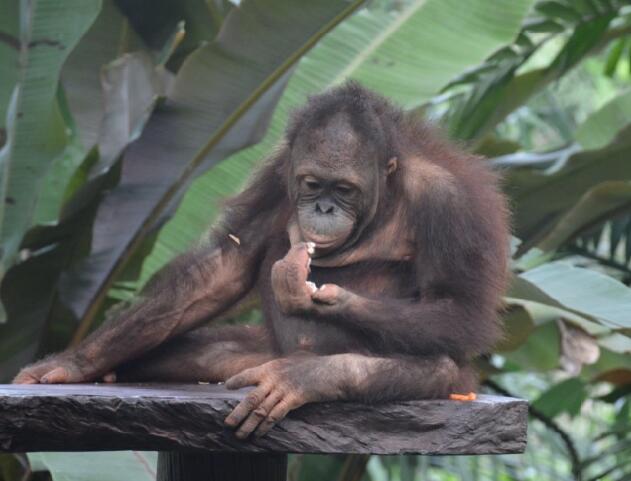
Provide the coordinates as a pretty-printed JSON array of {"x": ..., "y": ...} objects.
[{"x": 379, "y": 252}]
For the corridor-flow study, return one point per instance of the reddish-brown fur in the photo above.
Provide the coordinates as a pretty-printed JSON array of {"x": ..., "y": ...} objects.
[{"x": 408, "y": 303}]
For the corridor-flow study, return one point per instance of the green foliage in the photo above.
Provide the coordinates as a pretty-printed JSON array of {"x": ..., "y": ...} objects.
[
  {"x": 34, "y": 127},
  {"x": 166, "y": 101},
  {"x": 219, "y": 101},
  {"x": 590, "y": 293},
  {"x": 105, "y": 466},
  {"x": 567, "y": 396}
]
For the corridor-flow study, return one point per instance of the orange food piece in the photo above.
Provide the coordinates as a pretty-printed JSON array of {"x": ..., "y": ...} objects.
[{"x": 463, "y": 397}]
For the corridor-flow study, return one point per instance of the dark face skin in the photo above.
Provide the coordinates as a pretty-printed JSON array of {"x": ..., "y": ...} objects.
[{"x": 335, "y": 185}]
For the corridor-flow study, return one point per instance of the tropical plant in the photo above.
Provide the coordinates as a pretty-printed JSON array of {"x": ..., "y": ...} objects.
[
  {"x": 181, "y": 118},
  {"x": 117, "y": 159}
]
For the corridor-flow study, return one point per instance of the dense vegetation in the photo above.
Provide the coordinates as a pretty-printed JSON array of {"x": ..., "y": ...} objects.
[{"x": 123, "y": 124}]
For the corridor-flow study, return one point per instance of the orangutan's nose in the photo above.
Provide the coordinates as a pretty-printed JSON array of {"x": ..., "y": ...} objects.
[{"x": 324, "y": 207}]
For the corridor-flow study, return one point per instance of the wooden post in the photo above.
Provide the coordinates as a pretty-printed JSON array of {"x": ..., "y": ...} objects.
[{"x": 178, "y": 466}]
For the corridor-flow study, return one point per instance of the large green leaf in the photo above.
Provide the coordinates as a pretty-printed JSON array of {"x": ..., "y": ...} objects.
[
  {"x": 9, "y": 51},
  {"x": 600, "y": 128},
  {"x": 408, "y": 54},
  {"x": 57, "y": 180},
  {"x": 92, "y": 79},
  {"x": 505, "y": 86},
  {"x": 221, "y": 101},
  {"x": 449, "y": 36},
  {"x": 111, "y": 37},
  {"x": 546, "y": 309},
  {"x": 29, "y": 332},
  {"x": 36, "y": 134},
  {"x": 67, "y": 200},
  {"x": 595, "y": 303},
  {"x": 584, "y": 291},
  {"x": 540, "y": 198},
  {"x": 540, "y": 352},
  {"x": 617, "y": 343},
  {"x": 66, "y": 211},
  {"x": 105, "y": 102},
  {"x": 567, "y": 396},
  {"x": 107, "y": 39},
  {"x": 20, "y": 337},
  {"x": 155, "y": 20},
  {"x": 593, "y": 208},
  {"x": 131, "y": 84}
]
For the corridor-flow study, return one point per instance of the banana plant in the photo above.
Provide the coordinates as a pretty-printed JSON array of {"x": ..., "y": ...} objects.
[{"x": 180, "y": 116}]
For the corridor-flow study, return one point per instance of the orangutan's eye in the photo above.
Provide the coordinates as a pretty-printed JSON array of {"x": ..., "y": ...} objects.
[
  {"x": 344, "y": 189},
  {"x": 311, "y": 183}
]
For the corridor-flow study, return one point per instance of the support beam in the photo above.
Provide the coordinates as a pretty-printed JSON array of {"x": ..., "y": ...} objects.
[
  {"x": 175, "y": 466},
  {"x": 184, "y": 418}
]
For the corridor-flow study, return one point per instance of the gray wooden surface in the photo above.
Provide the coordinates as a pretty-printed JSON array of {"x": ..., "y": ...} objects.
[{"x": 85, "y": 417}]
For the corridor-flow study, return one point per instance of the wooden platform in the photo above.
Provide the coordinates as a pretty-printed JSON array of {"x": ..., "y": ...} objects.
[{"x": 171, "y": 417}]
